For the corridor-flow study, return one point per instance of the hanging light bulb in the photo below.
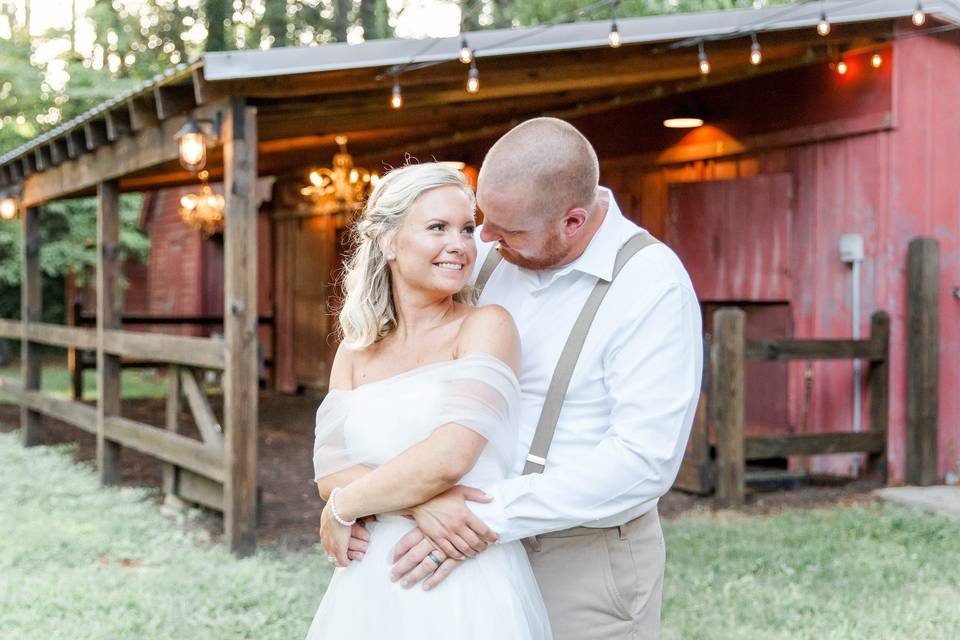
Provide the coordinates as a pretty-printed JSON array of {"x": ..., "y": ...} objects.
[
  {"x": 473, "y": 78},
  {"x": 614, "y": 36},
  {"x": 396, "y": 98},
  {"x": 8, "y": 208},
  {"x": 842, "y": 68},
  {"x": 466, "y": 53},
  {"x": 918, "y": 17},
  {"x": 756, "y": 57},
  {"x": 876, "y": 60},
  {"x": 823, "y": 27},
  {"x": 704, "y": 63}
]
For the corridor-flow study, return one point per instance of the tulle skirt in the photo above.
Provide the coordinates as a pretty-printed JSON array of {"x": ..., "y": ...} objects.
[{"x": 493, "y": 595}]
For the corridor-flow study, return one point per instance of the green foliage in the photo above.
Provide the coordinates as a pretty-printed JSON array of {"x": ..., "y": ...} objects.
[{"x": 68, "y": 235}]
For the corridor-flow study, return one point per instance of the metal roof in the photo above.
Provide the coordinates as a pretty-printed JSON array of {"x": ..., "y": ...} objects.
[{"x": 384, "y": 54}]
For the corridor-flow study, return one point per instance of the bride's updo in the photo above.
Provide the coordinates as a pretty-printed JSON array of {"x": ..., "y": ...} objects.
[{"x": 368, "y": 313}]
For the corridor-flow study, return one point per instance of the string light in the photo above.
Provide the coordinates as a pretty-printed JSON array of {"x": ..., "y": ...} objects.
[
  {"x": 842, "y": 68},
  {"x": 466, "y": 53},
  {"x": 614, "y": 36},
  {"x": 704, "y": 63},
  {"x": 756, "y": 57},
  {"x": 876, "y": 60},
  {"x": 823, "y": 27},
  {"x": 918, "y": 17},
  {"x": 473, "y": 78},
  {"x": 396, "y": 98}
]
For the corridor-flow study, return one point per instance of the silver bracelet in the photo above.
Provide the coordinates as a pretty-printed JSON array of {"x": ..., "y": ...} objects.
[{"x": 333, "y": 510}]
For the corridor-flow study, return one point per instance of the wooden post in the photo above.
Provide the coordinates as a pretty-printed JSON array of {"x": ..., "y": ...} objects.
[
  {"x": 108, "y": 317},
  {"x": 923, "y": 341},
  {"x": 74, "y": 365},
  {"x": 728, "y": 367},
  {"x": 880, "y": 387},
  {"x": 31, "y": 310},
  {"x": 240, "y": 384},
  {"x": 170, "y": 471}
]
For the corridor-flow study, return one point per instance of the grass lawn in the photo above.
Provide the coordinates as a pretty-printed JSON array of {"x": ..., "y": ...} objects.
[
  {"x": 80, "y": 562},
  {"x": 134, "y": 383}
]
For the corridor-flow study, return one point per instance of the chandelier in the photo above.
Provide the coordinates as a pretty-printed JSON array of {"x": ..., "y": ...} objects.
[
  {"x": 341, "y": 188},
  {"x": 203, "y": 211}
]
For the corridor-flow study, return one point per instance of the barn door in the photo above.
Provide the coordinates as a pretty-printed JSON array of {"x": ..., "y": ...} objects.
[{"x": 734, "y": 238}]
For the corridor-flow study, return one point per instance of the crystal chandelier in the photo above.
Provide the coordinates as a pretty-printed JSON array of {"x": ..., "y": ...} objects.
[
  {"x": 203, "y": 211},
  {"x": 341, "y": 188}
]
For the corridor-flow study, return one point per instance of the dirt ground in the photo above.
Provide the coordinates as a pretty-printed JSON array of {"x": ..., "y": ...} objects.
[{"x": 290, "y": 508}]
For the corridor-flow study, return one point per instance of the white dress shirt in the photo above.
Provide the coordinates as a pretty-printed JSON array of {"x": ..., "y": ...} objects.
[{"x": 626, "y": 417}]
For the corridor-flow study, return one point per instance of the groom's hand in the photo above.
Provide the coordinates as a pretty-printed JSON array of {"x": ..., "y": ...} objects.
[
  {"x": 413, "y": 562},
  {"x": 451, "y": 525}
]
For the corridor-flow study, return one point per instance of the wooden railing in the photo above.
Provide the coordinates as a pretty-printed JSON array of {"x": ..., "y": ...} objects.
[{"x": 722, "y": 403}]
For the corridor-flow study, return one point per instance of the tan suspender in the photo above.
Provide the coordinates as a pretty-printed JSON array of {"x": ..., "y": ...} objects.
[{"x": 543, "y": 437}]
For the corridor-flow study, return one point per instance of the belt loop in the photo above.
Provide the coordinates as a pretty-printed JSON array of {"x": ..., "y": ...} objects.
[
  {"x": 534, "y": 542},
  {"x": 622, "y": 530}
]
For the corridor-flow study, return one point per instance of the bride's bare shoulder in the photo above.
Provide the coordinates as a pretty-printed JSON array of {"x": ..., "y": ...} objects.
[
  {"x": 490, "y": 329},
  {"x": 341, "y": 373}
]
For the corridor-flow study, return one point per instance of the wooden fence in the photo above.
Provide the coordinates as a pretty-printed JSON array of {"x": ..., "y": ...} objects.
[{"x": 723, "y": 400}]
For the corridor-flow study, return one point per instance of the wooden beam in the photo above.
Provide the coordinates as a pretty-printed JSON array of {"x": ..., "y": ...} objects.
[
  {"x": 31, "y": 310},
  {"x": 809, "y": 444},
  {"x": 728, "y": 377},
  {"x": 173, "y": 100},
  {"x": 16, "y": 171},
  {"x": 109, "y": 309},
  {"x": 923, "y": 345},
  {"x": 62, "y": 336},
  {"x": 780, "y": 349},
  {"x": 197, "y": 352},
  {"x": 146, "y": 149},
  {"x": 143, "y": 112},
  {"x": 95, "y": 134},
  {"x": 200, "y": 490},
  {"x": 170, "y": 472},
  {"x": 11, "y": 329},
  {"x": 205, "y": 92},
  {"x": 58, "y": 151},
  {"x": 76, "y": 143},
  {"x": 75, "y": 413},
  {"x": 203, "y": 415},
  {"x": 240, "y": 380},
  {"x": 879, "y": 384},
  {"x": 118, "y": 123},
  {"x": 169, "y": 447},
  {"x": 41, "y": 156},
  {"x": 28, "y": 163}
]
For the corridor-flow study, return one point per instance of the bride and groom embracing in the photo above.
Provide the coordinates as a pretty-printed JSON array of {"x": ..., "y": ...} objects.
[{"x": 492, "y": 469}]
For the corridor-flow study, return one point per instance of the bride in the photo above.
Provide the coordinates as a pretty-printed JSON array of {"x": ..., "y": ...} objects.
[{"x": 423, "y": 397}]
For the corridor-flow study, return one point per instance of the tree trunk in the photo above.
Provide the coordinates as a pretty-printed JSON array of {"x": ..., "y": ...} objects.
[
  {"x": 215, "y": 12},
  {"x": 503, "y": 14},
  {"x": 275, "y": 19},
  {"x": 341, "y": 20},
  {"x": 470, "y": 14}
]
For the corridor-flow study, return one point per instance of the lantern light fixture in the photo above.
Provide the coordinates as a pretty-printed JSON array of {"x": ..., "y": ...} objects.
[
  {"x": 8, "y": 208},
  {"x": 193, "y": 141}
]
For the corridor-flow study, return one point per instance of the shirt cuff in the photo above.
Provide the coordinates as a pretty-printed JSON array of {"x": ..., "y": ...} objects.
[{"x": 492, "y": 513}]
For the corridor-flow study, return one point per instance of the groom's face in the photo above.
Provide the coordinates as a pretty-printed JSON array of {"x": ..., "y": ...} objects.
[{"x": 528, "y": 240}]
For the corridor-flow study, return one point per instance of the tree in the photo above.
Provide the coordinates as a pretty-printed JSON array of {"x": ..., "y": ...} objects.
[{"x": 216, "y": 12}]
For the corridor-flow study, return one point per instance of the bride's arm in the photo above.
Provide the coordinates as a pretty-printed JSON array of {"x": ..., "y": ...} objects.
[{"x": 439, "y": 462}]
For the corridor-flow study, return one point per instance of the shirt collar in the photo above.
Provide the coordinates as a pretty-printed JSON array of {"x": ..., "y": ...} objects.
[{"x": 600, "y": 256}]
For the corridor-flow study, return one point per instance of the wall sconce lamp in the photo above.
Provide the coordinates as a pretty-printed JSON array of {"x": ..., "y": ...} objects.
[{"x": 193, "y": 141}]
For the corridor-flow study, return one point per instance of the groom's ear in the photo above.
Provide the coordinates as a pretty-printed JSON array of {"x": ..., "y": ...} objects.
[{"x": 574, "y": 220}]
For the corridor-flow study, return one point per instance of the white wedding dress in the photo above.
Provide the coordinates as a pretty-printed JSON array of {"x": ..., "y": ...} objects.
[{"x": 491, "y": 596}]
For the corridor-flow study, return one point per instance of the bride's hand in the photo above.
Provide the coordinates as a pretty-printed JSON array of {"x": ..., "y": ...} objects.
[
  {"x": 335, "y": 537},
  {"x": 450, "y": 524}
]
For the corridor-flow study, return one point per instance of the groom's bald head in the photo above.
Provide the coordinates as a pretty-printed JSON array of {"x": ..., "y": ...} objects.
[{"x": 544, "y": 165}]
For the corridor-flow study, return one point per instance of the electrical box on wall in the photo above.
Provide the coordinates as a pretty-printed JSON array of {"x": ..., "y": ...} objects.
[{"x": 851, "y": 247}]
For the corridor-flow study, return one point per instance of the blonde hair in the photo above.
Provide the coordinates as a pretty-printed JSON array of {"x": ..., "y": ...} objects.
[{"x": 368, "y": 313}]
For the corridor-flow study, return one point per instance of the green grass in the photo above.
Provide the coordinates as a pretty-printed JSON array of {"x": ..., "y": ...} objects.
[
  {"x": 134, "y": 383},
  {"x": 79, "y": 562},
  {"x": 82, "y": 563}
]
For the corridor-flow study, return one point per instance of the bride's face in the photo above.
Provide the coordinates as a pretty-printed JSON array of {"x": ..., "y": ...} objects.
[{"x": 434, "y": 246}]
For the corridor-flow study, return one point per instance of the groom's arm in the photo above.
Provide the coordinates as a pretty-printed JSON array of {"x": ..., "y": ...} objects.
[{"x": 652, "y": 369}]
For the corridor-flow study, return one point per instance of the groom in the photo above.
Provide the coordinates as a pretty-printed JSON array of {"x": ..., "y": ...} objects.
[{"x": 585, "y": 501}]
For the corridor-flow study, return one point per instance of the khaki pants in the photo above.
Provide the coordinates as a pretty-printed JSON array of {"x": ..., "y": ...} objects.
[{"x": 602, "y": 583}]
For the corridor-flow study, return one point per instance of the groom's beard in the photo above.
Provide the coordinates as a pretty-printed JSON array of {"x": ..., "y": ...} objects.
[{"x": 551, "y": 255}]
